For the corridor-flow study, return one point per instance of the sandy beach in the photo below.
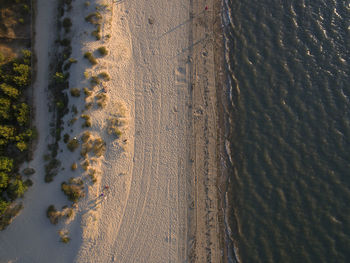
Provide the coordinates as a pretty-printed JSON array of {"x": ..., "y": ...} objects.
[{"x": 162, "y": 202}]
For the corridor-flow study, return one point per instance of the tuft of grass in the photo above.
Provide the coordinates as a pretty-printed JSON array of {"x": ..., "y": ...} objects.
[
  {"x": 104, "y": 76},
  {"x": 75, "y": 92},
  {"x": 73, "y": 144},
  {"x": 88, "y": 105},
  {"x": 95, "y": 80},
  {"x": 72, "y": 121},
  {"x": 87, "y": 3},
  {"x": 87, "y": 119},
  {"x": 85, "y": 137},
  {"x": 89, "y": 56},
  {"x": 74, "y": 166},
  {"x": 99, "y": 147},
  {"x": 86, "y": 74},
  {"x": 74, "y": 109},
  {"x": 97, "y": 33},
  {"x": 87, "y": 92},
  {"x": 101, "y": 100},
  {"x": 85, "y": 149},
  {"x": 72, "y": 60},
  {"x": 85, "y": 165},
  {"x": 92, "y": 174},
  {"x": 65, "y": 239},
  {"x": 94, "y": 18},
  {"x": 103, "y": 51},
  {"x": 53, "y": 214},
  {"x": 73, "y": 190}
]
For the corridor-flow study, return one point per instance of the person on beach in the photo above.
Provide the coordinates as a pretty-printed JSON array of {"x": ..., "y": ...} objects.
[{"x": 206, "y": 8}]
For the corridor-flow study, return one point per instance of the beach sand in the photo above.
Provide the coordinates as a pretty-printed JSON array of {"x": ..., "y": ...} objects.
[{"x": 162, "y": 200}]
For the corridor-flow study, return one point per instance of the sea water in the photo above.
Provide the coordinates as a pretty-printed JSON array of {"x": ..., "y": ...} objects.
[{"x": 288, "y": 99}]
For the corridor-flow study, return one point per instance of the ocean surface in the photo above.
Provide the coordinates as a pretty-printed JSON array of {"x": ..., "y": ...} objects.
[{"x": 288, "y": 70}]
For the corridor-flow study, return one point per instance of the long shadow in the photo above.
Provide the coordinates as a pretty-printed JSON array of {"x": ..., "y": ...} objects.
[
  {"x": 117, "y": 2},
  {"x": 180, "y": 25},
  {"x": 191, "y": 46}
]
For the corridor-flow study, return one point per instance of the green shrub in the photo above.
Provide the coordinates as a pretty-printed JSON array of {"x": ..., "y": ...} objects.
[
  {"x": 104, "y": 76},
  {"x": 9, "y": 90},
  {"x": 4, "y": 179},
  {"x": 5, "y": 105},
  {"x": 75, "y": 92},
  {"x": 6, "y": 164},
  {"x": 103, "y": 51},
  {"x": 3, "y": 206},
  {"x": 23, "y": 74},
  {"x": 90, "y": 57},
  {"x": 16, "y": 189},
  {"x": 8, "y": 214},
  {"x": 59, "y": 77},
  {"x": 73, "y": 144}
]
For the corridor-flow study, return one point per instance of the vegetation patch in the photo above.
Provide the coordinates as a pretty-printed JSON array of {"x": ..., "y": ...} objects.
[
  {"x": 75, "y": 92},
  {"x": 87, "y": 122},
  {"x": 102, "y": 51},
  {"x": 74, "y": 189},
  {"x": 73, "y": 144},
  {"x": 99, "y": 147},
  {"x": 51, "y": 169},
  {"x": 89, "y": 56},
  {"x": 104, "y": 76},
  {"x": 101, "y": 100}
]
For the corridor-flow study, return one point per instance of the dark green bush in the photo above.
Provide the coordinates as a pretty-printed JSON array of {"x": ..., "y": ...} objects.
[
  {"x": 65, "y": 137},
  {"x": 67, "y": 24}
]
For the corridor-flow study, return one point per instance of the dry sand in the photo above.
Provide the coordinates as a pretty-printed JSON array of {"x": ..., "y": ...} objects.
[{"x": 162, "y": 203}]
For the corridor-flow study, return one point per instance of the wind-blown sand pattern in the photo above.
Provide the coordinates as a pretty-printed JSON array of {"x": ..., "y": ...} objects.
[{"x": 161, "y": 204}]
